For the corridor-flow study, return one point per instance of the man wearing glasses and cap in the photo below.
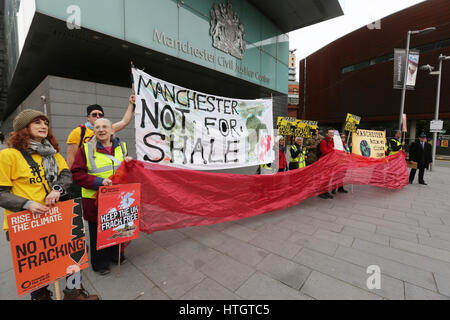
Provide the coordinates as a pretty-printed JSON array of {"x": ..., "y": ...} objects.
[
  {"x": 420, "y": 152},
  {"x": 83, "y": 133}
]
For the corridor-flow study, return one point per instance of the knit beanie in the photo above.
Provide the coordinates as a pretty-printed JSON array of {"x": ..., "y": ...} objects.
[
  {"x": 25, "y": 117},
  {"x": 93, "y": 107}
]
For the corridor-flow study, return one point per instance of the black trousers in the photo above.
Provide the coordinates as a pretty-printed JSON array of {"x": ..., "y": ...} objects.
[
  {"x": 412, "y": 174},
  {"x": 293, "y": 165},
  {"x": 100, "y": 259}
]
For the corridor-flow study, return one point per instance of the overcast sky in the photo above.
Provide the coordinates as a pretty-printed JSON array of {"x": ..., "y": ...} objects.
[{"x": 357, "y": 13}]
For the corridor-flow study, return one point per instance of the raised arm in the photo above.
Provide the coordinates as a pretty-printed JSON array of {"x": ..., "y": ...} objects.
[{"x": 127, "y": 116}]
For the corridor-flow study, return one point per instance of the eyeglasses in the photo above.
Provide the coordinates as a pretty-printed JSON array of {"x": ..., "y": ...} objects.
[{"x": 97, "y": 115}]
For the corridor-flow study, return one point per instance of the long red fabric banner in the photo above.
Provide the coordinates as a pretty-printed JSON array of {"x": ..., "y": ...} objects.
[{"x": 175, "y": 198}]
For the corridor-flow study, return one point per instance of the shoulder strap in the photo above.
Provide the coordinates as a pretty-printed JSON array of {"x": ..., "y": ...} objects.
[
  {"x": 34, "y": 166},
  {"x": 83, "y": 133}
]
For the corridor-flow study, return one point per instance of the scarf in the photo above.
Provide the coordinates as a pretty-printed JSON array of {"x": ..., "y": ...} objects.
[
  {"x": 46, "y": 150},
  {"x": 89, "y": 125}
]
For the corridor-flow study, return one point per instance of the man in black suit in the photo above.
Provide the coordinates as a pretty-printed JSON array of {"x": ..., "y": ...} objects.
[{"x": 420, "y": 152}]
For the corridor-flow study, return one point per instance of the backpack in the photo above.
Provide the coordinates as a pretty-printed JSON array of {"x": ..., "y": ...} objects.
[{"x": 318, "y": 151}]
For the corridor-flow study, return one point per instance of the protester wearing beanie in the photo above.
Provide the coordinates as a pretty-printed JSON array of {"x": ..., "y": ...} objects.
[{"x": 33, "y": 177}]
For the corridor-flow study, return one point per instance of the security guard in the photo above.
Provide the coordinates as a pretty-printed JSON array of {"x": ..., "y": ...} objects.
[
  {"x": 394, "y": 145},
  {"x": 298, "y": 154}
]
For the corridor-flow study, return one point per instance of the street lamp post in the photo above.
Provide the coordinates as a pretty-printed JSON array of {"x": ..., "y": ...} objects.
[
  {"x": 402, "y": 105},
  {"x": 438, "y": 98}
]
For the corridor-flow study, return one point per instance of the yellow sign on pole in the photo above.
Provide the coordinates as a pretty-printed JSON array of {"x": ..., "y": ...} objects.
[
  {"x": 286, "y": 125},
  {"x": 305, "y": 128},
  {"x": 351, "y": 122}
]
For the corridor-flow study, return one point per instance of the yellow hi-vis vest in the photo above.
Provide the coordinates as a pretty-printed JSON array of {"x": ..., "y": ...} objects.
[
  {"x": 265, "y": 169},
  {"x": 300, "y": 158},
  {"x": 391, "y": 152},
  {"x": 102, "y": 165}
]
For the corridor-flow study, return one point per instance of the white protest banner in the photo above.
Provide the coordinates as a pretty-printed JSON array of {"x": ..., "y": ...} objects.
[
  {"x": 188, "y": 129},
  {"x": 338, "y": 145}
]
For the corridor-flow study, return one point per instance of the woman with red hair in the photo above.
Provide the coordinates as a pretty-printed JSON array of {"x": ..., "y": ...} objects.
[{"x": 33, "y": 177}]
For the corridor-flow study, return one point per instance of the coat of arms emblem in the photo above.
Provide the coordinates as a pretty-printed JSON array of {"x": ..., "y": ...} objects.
[{"x": 227, "y": 31}]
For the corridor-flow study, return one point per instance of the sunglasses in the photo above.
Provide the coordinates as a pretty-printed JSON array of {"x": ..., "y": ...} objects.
[{"x": 97, "y": 115}]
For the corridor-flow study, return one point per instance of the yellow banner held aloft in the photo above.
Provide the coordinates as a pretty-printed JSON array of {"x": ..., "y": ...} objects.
[
  {"x": 305, "y": 128},
  {"x": 286, "y": 125},
  {"x": 351, "y": 122}
]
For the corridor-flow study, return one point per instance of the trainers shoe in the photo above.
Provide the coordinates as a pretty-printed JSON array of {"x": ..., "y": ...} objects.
[
  {"x": 79, "y": 294},
  {"x": 342, "y": 190},
  {"x": 103, "y": 272}
]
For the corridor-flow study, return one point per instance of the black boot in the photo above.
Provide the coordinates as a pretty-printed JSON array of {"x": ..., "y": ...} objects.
[{"x": 342, "y": 190}]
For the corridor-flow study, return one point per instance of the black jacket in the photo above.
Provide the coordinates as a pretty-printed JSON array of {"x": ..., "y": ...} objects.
[{"x": 420, "y": 155}]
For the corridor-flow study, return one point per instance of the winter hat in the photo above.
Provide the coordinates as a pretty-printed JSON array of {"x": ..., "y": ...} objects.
[
  {"x": 25, "y": 117},
  {"x": 93, "y": 107}
]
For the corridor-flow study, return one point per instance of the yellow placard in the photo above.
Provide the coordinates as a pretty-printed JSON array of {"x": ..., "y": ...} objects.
[
  {"x": 351, "y": 122},
  {"x": 286, "y": 125},
  {"x": 305, "y": 128}
]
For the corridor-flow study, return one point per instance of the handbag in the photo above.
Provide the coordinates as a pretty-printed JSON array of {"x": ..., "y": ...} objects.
[{"x": 411, "y": 164}]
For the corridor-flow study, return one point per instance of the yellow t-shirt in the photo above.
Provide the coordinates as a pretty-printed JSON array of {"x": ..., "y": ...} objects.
[
  {"x": 16, "y": 173},
  {"x": 75, "y": 136}
]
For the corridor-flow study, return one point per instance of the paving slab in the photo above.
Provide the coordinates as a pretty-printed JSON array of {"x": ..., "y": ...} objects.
[
  {"x": 261, "y": 287},
  {"x": 323, "y": 287}
]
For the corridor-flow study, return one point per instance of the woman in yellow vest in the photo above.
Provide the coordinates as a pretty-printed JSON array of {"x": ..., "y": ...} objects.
[
  {"x": 95, "y": 162},
  {"x": 33, "y": 177}
]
